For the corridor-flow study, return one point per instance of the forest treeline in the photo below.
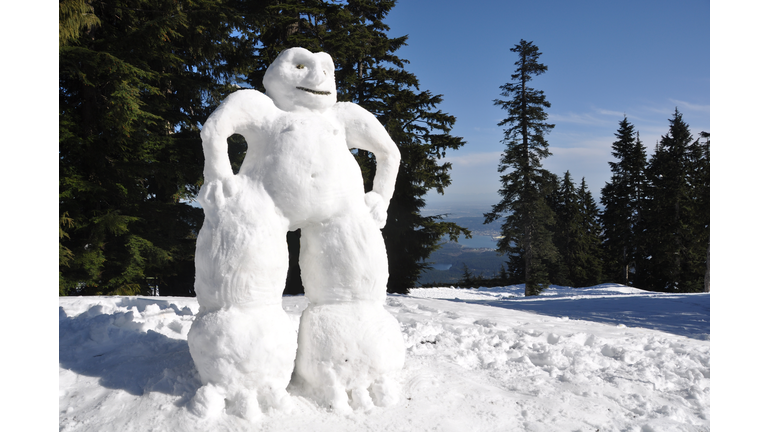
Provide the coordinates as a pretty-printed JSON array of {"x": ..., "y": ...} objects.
[
  {"x": 653, "y": 230},
  {"x": 138, "y": 78}
]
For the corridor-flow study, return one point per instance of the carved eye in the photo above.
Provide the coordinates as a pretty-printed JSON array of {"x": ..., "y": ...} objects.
[{"x": 300, "y": 66}]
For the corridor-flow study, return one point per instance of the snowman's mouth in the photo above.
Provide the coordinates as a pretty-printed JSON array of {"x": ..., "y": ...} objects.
[{"x": 317, "y": 92}]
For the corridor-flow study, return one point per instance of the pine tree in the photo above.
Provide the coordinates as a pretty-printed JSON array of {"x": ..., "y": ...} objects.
[
  {"x": 698, "y": 161},
  {"x": 567, "y": 231},
  {"x": 136, "y": 81},
  {"x": 577, "y": 236},
  {"x": 674, "y": 241},
  {"x": 589, "y": 270},
  {"x": 466, "y": 277},
  {"x": 622, "y": 199},
  {"x": 503, "y": 275},
  {"x": 369, "y": 73},
  {"x": 74, "y": 17},
  {"x": 527, "y": 228}
]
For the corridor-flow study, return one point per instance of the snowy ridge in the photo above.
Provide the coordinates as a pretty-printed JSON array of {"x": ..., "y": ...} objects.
[
  {"x": 472, "y": 364},
  {"x": 681, "y": 314},
  {"x": 607, "y": 289}
]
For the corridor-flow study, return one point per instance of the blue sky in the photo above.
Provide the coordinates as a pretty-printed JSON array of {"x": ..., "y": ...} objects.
[{"x": 605, "y": 58}]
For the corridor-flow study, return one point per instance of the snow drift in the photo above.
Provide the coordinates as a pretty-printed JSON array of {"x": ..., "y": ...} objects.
[{"x": 475, "y": 360}]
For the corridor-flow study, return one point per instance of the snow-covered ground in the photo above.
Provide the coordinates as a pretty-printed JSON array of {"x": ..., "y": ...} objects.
[{"x": 606, "y": 358}]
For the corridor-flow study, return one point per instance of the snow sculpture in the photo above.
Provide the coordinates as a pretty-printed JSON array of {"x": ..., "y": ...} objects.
[{"x": 298, "y": 173}]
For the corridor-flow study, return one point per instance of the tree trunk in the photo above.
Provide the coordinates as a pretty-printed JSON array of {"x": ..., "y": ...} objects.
[
  {"x": 528, "y": 242},
  {"x": 706, "y": 275}
]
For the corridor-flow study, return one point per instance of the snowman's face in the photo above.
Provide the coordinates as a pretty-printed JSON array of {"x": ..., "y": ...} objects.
[{"x": 300, "y": 79}]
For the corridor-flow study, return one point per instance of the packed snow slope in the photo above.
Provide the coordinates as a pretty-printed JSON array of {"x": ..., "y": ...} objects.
[{"x": 607, "y": 358}]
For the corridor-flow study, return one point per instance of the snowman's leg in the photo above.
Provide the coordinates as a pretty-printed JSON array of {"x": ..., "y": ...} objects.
[
  {"x": 241, "y": 340},
  {"x": 242, "y": 254},
  {"x": 344, "y": 259},
  {"x": 344, "y": 271}
]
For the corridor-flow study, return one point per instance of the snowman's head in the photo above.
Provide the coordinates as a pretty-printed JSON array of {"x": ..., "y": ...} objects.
[{"x": 299, "y": 79}]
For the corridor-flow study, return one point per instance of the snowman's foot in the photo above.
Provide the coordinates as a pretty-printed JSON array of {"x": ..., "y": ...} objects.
[
  {"x": 208, "y": 402},
  {"x": 361, "y": 399},
  {"x": 385, "y": 392},
  {"x": 277, "y": 399},
  {"x": 245, "y": 404}
]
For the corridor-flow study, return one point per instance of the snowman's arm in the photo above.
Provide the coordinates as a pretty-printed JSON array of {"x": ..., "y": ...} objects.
[
  {"x": 242, "y": 112},
  {"x": 365, "y": 132}
]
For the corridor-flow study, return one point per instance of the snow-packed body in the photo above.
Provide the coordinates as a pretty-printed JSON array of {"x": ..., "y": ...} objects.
[
  {"x": 326, "y": 176},
  {"x": 298, "y": 173}
]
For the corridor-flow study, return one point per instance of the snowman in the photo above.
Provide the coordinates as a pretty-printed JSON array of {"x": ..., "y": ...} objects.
[{"x": 298, "y": 173}]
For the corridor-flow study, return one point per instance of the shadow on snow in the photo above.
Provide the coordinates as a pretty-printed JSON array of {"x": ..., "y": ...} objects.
[
  {"x": 114, "y": 348},
  {"x": 685, "y": 315}
]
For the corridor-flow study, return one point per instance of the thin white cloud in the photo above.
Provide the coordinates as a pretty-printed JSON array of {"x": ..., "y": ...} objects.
[
  {"x": 475, "y": 159},
  {"x": 605, "y": 112},
  {"x": 666, "y": 110},
  {"x": 596, "y": 150},
  {"x": 585, "y": 119},
  {"x": 690, "y": 106},
  {"x": 633, "y": 114}
]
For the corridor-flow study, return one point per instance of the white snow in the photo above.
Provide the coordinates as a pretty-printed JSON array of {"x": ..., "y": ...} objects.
[{"x": 608, "y": 358}]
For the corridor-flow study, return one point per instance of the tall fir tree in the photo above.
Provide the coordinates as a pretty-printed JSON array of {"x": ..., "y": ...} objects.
[
  {"x": 136, "y": 81},
  {"x": 622, "y": 200},
  {"x": 589, "y": 268},
  {"x": 577, "y": 236},
  {"x": 699, "y": 179},
  {"x": 674, "y": 247},
  {"x": 567, "y": 231},
  {"x": 369, "y": 73},
  {"x": 529, "y": 220}
]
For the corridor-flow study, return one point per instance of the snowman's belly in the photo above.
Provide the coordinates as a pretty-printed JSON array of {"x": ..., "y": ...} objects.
[{"x": 310, "y": 177}]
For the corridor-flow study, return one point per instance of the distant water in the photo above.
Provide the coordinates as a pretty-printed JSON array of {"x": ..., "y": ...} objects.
[{"x": 476, "y": 242}]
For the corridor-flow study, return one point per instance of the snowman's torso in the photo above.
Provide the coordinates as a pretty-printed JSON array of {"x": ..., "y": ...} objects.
[{"x": 303, "y": 162}]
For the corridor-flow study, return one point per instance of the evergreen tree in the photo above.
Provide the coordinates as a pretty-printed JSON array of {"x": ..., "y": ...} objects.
[
  {"x": 675, "y": 243},
  {"x": 74, "y": 17},
  {"x": 136, "y": 80},
  {"x": 466, "y": 277},
  {"x": 527, "y": 228},
  {"x": 552, "y": 191},
  {"x": 370, "y": 74},
  {"x": 567, "y": 232},
  {"x": 503, "y": 275},
  {"x": 577, "y": 236},
  {"x": 699, "y": 179},
  {"x": 622, "y": 199},
  {"x": 589, "y": 268}
]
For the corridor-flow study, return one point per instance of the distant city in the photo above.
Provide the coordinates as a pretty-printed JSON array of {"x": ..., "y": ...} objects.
[{"x": 478, "y": 253}]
